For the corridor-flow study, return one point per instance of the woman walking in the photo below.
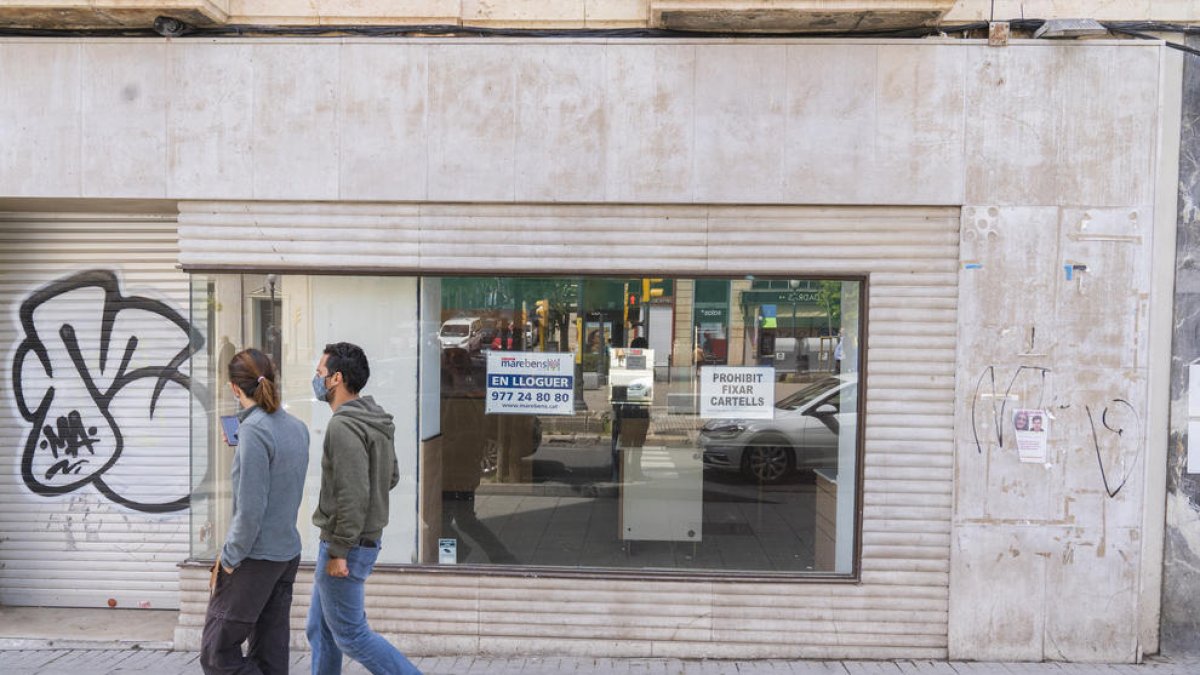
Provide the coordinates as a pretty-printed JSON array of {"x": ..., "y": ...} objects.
[{"x": 254, "y": 573}]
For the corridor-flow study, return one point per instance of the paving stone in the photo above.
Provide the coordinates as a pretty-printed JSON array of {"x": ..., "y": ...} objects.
[
  {"x": 926, "y": 667},
  {"x": 872, "y": 668},
  {"x": 143, "y": 662},
  {"x": 28, "y": 659}
]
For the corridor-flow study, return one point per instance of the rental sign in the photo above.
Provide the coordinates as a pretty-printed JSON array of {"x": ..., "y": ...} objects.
[{"x": 530, "y": 383}]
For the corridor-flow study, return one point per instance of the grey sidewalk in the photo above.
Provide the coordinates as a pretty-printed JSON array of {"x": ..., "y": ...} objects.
[{"x": 147, "y": 662}]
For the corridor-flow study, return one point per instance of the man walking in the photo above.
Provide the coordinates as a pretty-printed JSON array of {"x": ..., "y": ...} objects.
[{"x": 358, "y": 469}]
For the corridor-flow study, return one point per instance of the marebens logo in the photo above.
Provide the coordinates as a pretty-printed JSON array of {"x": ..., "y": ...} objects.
[{"x": 540, "y": 364}]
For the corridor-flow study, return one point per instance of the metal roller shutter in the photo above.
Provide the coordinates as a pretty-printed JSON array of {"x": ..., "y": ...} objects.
[{"x": 94, "y": 497}]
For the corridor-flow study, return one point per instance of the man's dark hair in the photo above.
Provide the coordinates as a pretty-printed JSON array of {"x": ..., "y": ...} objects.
[{"x": 351, "y": 361}]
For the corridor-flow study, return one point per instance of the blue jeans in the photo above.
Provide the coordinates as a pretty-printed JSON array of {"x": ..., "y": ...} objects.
[{"x": 337, "y": 621}]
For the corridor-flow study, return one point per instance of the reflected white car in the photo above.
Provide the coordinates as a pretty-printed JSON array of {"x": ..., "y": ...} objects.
[
  {"x": 462, "y": 333},
  {"x": 803, "y": 434}
]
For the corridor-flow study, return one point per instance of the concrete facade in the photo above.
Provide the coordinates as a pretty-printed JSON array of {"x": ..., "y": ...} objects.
[{"x": 1054, "y": 156}]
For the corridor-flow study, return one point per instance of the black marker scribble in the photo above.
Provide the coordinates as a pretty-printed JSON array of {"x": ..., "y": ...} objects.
[
  {"x": 67, "y": 440},
  {"x": 1119, "y": 431},
  {"x": 998, "y": 414},
  {"x": 80, "y": 439}
]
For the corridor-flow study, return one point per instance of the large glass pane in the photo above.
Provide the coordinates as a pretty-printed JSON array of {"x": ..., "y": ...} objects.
[
  {"x": 642, "y": 423},
  {"x": 221, "y": 309},
  {"x": 292, "y": 318}
]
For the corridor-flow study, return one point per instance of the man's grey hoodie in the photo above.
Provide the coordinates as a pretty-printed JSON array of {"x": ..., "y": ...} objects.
[{"x": 358, "y": 469}]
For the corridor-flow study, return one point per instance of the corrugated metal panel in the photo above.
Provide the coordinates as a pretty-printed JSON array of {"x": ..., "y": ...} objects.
[
  {"x": 81, "y": 548},
  {"x": 900, "y": 607}
]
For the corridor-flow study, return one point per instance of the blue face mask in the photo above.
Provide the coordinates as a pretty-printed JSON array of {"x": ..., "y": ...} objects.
[{"x": 319, "y": 388}]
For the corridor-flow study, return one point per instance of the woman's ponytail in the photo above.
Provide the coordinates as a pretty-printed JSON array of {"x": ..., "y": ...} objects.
[
  {"x": 253, "y": 373},
  {"x": 266, "y": 396}
]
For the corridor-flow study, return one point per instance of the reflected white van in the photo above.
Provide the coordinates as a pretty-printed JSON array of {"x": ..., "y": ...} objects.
[{"x": 462, "y": 333}]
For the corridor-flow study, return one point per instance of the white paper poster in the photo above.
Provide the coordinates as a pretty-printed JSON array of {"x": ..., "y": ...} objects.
[
  {"x": 1193, "y": 453},
  {"x": 1193, "y": 403},
  {"x": 1193, "y": 390},
  {"x": 530, "y": 383},
  {"x": 1032, "y": 428},
  {"x": 729, "y": 391}
]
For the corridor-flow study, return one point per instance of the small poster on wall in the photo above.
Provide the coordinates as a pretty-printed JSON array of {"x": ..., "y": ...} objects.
[
  {"x": 1032, "y": 428},
  {"x": 530, "y": 383},
  {"x": 729, "y": 391}
]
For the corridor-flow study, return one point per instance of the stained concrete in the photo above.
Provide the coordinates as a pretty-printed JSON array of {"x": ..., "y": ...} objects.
[{"x": 45, "y": 627}]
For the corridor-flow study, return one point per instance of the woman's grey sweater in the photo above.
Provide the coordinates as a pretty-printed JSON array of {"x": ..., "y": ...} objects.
[{"x": 269, "y": 467}]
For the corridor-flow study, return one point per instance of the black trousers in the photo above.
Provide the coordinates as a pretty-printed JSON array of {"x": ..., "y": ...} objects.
[{"x": 252, "y": 603}]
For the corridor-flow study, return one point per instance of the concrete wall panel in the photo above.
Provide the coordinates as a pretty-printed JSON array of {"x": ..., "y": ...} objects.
[
  {"x": 40, "y": 118},
  {"x": 1007, "y": 626},
  {"x": 124, "y": 99},
  {"x": 561, "y": 124},
  {"x": 1011, "y": 253},
  {"x": 472, "y": 122},
  {"x": 383, "y": 123},
  {"x": 649, "y": 96},
  {"x": 1071, "y": 343},
  {"x": 1013, "y": 99},
  {"x": 739, "y": 121},
  {"x": 295, "y": 141},
  {"x": 919, "y": 150},
  {"x": 211, "y": 120},
  {"x": 684, "y": 122},
  {"x": 1107, "y": 158},
  {"x": 1091, "y": 582},
  {"x": 829, "y": 146}
]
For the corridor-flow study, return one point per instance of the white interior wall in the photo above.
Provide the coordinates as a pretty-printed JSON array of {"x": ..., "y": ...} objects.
[{"x": 380, "y": 315}]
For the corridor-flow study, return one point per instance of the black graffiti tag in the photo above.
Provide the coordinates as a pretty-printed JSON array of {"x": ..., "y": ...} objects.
[
  {"x": 998, "y": 412},
  {"x": 1117, "y": 438},
  {"x": 1123, "y": 449},
  {"x": 86, "y": 441},
  {"x": 67, "y": 440}
]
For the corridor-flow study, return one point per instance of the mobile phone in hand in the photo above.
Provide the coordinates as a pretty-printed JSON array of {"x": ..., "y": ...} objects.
[{"x": 229, "y": 424}]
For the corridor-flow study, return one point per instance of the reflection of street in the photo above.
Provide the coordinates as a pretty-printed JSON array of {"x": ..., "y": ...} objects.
[
  {"x": 460, "y": 521},
  {"x": 568, "y": 515},
  {"x": 546, "y": 491}
]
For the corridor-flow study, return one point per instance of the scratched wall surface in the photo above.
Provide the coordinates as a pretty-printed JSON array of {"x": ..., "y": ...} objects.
[
  {"x": 94, "y": 413},
  {"x": 1181, "y": 573},
  {"x": 1055, "y": 291}
]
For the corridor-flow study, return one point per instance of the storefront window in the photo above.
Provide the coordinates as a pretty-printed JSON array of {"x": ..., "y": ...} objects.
[
  {"x": 292, "y": 318},
  {"x": 654, "y": 424},
  {"x": 698, "y": 425}
]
